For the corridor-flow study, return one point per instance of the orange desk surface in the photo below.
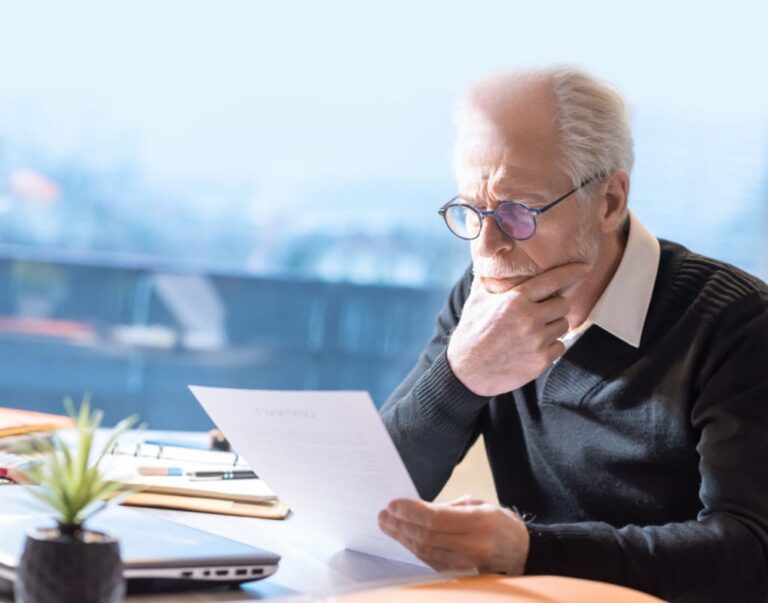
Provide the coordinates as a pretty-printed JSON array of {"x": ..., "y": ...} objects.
[{"x": 493, "y": 588}]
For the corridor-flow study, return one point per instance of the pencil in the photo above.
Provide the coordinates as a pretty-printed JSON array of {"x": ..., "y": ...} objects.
[{"x": 174, "y": 471}]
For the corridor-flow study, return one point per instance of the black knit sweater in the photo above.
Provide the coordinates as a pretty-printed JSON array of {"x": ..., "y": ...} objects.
[{"x": 644, "y": 467}]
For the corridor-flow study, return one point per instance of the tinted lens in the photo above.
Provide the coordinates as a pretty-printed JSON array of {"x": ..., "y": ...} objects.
[
  {"x": 516, "y": 220},
  {"x": 463, "y": 221}
]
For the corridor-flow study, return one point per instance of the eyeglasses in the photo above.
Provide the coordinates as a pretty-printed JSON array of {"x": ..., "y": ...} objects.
[{"x": 514, "y": 219}]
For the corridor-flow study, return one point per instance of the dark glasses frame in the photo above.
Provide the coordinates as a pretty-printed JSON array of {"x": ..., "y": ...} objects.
[{"x": 535, "y": 212}]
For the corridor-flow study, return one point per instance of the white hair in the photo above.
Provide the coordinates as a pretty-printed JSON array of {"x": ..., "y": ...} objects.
[
  {"x": 592, "y": 119},
  {"x": 595, "y": 137}
]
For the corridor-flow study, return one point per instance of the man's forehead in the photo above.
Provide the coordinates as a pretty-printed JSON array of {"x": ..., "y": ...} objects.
[
  {"x": 507, "y": 140},
  {"x": 492, "y": 144},
  {"x": 503, "y": 163},
  {"x": 496, "y": 173},
  {"x": 499, "y": 180},
  {"x": 503, "y": 155}
]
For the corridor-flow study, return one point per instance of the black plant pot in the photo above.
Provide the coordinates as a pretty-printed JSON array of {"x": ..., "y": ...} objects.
[{"x": 69, "y": 565}]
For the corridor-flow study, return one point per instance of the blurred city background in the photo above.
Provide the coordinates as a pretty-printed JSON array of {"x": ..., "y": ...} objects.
[{"x": 245, "y": 194}]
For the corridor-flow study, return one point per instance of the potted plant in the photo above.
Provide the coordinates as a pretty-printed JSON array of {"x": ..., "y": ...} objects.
[{"x": 69, "y": 563}]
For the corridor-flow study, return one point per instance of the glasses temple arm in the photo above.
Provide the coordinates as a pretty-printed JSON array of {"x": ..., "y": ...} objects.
[{"x": 549, "y": 206}]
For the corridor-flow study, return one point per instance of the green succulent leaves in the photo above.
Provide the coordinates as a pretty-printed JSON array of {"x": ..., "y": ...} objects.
[{"x": 68, "y": 477}]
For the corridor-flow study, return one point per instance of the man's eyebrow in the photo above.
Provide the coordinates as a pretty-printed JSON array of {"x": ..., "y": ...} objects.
[
  {"x": 506, "y": 188},
  {"x": 511, "y": 181},
  {"x": 512, "y": 193},
  {"x": 509, "y": 193},
  {"x": 506, "y": 193},
  {"x": 516, "y": 193}
]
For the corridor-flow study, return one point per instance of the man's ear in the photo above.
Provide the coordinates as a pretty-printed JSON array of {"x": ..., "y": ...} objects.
[{"x": 614, "y": 194}]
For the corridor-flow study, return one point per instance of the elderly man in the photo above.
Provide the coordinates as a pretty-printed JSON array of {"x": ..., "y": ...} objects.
[{"x": 620, "y": 382}]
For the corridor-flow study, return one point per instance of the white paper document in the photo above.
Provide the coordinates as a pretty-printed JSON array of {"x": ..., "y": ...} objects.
[{"x": 327, "y": 455}]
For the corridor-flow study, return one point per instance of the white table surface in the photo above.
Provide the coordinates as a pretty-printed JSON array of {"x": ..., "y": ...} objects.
[{"x": 309, "y": 569}]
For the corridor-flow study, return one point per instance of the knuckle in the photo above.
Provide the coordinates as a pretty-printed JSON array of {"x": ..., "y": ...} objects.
[
  {"x": 487, "y": 552},
  {"x": 421, "y": 550},
  {"x": 523, "y": 290},
  {"x": 439, "y": 518},
  {"x": 512, "y": 300},
  {"x": 556, "y": 350},
  {"x": 427, "y": 539},
  {"x": 561, "y": 327},
  {"x": 541, "y": 341},
  {"x": 429, "y": 520},
  {"x": 527, "y": 329},
  {"x": 482, "y": 552},
  {"x": 487, "y": 521}
]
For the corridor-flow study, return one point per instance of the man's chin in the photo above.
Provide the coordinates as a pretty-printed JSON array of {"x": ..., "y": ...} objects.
[{"x": 501, "y": 285}]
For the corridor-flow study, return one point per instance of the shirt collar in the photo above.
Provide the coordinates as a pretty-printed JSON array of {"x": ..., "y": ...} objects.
[{"x": 623, "y": 306}]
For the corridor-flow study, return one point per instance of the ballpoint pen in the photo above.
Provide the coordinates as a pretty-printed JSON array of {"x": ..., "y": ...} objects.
[{"x": 217, "y": 475}]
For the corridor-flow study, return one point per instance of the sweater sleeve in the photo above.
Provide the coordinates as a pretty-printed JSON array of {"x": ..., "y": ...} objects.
[
  {"x": 431, "y": 416},
  {"x": 722, "y": 554}
]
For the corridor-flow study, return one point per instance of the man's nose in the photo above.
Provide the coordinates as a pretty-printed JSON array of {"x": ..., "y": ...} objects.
[{"x": 492, "y": 240}]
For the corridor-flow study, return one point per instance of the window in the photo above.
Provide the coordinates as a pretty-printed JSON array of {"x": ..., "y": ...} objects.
[{"x": 285, "y": 164}]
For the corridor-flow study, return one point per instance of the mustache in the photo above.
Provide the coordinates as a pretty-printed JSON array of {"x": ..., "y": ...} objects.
[{"x": 491, "y": 269}]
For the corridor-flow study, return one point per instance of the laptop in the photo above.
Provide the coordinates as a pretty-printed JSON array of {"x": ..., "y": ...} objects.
[{"x": 157, "y": 554}]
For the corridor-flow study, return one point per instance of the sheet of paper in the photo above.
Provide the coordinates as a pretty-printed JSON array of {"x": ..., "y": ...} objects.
[{"x": 327, "y": 455}]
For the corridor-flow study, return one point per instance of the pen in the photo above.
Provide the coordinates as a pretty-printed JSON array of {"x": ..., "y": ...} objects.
[{"x": 215, "y": 475}]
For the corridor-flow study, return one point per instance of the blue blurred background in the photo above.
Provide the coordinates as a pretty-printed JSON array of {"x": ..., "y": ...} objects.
[{"x": 244, "y": 194}]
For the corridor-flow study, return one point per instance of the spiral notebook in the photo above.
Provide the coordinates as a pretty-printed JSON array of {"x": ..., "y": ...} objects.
[{"x": 243, "y": 497}]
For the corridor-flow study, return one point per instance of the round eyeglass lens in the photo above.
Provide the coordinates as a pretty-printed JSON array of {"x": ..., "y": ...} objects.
[
  {"x": 516, "y": 220},
  {"x": 463, "y": 221}
]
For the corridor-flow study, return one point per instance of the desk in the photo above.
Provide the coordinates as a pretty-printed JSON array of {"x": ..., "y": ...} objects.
[{"x": 308, "y": 568}]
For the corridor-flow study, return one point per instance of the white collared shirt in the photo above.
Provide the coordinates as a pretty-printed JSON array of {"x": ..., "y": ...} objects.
[{"x": 623, "y": 306}]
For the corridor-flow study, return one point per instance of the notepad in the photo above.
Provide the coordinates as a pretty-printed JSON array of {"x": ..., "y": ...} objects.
[
  {"x": 277, "y": 510},
  {"x": 125, "y": 469},
  {"x": 245, "y": 497}
]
